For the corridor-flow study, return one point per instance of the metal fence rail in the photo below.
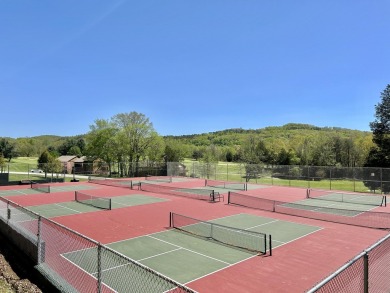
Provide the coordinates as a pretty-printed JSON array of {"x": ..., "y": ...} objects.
[{"x": 75, "y": 263}]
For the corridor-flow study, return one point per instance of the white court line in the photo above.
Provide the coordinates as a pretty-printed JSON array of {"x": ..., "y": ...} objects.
[
  {"x": 57, "y": 204},
  {"x": 213, "y": 258}
]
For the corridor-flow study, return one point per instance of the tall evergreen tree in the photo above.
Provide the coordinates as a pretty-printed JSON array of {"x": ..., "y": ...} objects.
[
  {"x": 381, "y": 126},
  {"x": 379, "y": 155}
]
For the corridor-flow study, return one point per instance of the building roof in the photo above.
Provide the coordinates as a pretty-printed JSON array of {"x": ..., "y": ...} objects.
[{"x": 65, "y": 159}]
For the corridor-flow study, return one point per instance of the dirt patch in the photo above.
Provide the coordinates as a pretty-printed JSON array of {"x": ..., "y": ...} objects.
[
  {"x": 11, "y": 281},
  {"x": 17, "y": 272}
]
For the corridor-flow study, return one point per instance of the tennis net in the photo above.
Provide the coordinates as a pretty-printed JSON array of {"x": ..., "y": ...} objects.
[
  {"x": 40, "y": 187},
  {"x": 250, "y": 241},
  {"x": 124, "y": 183},
  {"x": 370, "y": 219},
  {"x": 347, "y": 197},
  {"x": 201, "y": 194},
  {"x": 226, "y": 185},
  {"x": 95, "y": 201},
  {"x": 158, "y": 178}
]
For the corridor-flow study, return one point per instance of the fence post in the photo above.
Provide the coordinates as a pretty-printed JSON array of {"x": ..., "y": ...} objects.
[
  {"x": 39, "y": 235},
  {"x": 99, "y": 267},
  {"x": 227, "y": 171},
  {"x": 381, "y": 179},
  {"x": 330, "y": 178},
  {"x": 365, "y": 259}
]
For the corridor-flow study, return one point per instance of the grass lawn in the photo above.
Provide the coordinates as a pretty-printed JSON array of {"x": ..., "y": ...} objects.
[{"x": 236, "y": 172}]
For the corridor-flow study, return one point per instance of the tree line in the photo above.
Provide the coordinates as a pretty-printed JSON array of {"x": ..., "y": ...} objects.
[{"x": 128, "y": 138}]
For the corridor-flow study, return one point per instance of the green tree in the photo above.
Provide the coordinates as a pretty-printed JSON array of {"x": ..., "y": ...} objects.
[
  {"x": 254, "y": 151},
  {"x": 26, "y": 147},
  {"x": 136, "y": 134},
  {"x": 174, "y": 150},
  {"x": 101, "y": 142},
  {"x": 197, "y": 154},
  {"x": 379, "y": 155},
  {"x": 69, "y": 146},
  {"x": 75, "y": 151},
  {"x": 2, "y": 163},
  {"x": 381, "y": 126},
  {"x": 7, "y": 149},
  {"x": 43, "y": 162}
]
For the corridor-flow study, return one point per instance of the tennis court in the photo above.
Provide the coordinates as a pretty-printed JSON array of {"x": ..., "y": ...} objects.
[
  {"x": 75, "y": 207},
  {"x": 53, "y": 188},
  {"x": 344, "y": 204},
  {"x": 173, "y": 252}
]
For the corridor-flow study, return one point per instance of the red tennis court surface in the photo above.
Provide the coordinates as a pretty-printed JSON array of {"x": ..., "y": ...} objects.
[{"x": 294, "y": 267}]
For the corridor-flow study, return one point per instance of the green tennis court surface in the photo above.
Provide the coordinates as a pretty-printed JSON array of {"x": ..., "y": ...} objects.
[
  {"x": 184, "y": 257},
  {"x": 53, "y": 188},
  {"x": 73, "y": 207},
  {"x": 331, "y": 207}
]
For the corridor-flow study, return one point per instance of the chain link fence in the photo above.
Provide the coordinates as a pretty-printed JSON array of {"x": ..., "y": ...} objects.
[
  {"x": 73, "y": 262},
  {"x": 359, "y": 179},
  {"x": 367, "y": 272},
  {"x": 13, "y": 174}
]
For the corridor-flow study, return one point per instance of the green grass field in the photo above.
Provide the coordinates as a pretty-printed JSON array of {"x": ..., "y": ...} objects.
[
  {"x": 236, "y": 172},
  {"x": 220, "y": 171}
]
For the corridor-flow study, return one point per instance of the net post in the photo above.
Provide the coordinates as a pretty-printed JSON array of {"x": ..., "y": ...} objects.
[
  {"x": 48, "y": 189},
  {"x": 110, "y": 204},
  {"x": 212, "y": 196},
  {"x": 228, "y": 199},
  {"x": 75, "y": 195},
  {"x": 246, "y": 186},
  {"x": 205, "y": 182},
  {"x": 273, "y": 206},
  {"x": 270, "y": 244},
  {"x": 170, "y": 219}
]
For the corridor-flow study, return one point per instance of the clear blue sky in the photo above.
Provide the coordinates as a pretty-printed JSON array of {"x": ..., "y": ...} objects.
[{"x": 191, "y": 66}]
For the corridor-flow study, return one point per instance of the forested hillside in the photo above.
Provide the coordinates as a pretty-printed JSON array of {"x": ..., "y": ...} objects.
[{"x": 291, "y": 144}]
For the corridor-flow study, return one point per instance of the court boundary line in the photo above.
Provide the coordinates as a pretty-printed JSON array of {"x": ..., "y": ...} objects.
[
  {"x": 80, "y": 268},
  {"x": 183, "y": 248},
  {"x": 192, "y": 251}
]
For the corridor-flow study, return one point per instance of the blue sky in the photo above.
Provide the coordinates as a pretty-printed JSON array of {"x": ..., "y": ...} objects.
[{"x": 191, "y": 66}]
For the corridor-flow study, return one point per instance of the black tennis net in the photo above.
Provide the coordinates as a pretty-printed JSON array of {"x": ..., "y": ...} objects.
[
  {"x": 201, "y": 194},
  {"x": 250, "y": 241},
  {"x": 92, "y": 200},
  {"x": 347, "y": 197},
  {"x": 124, "y": 183},
  {"x": 42, "y": 187},
  {"x": 158, "y": 178},
  {"x": 226, "y": 185},
  {"x": 363, "y": 218}
]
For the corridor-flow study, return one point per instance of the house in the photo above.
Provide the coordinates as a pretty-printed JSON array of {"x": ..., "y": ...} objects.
[
  {"x": 67, "y": 163},
  {"x": 78, "y": 165}
]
